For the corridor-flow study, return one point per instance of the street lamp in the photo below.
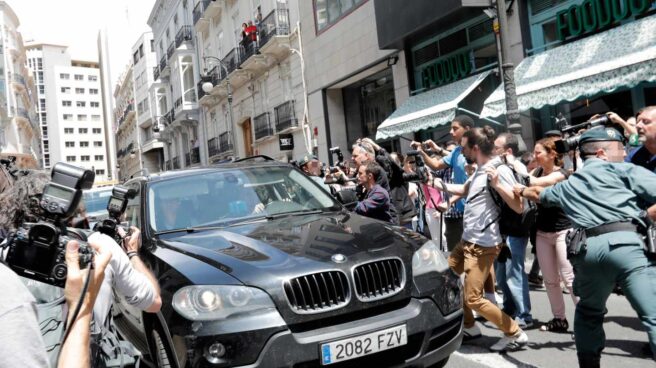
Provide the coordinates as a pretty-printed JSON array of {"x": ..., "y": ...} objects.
[{"x": 209, "y": 86}]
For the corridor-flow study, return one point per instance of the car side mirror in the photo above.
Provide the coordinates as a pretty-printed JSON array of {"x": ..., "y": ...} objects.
[{"x": 347, "y": 197}]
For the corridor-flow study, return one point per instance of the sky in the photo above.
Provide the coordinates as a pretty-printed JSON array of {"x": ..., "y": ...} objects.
[{"x": 75, "y": 23}]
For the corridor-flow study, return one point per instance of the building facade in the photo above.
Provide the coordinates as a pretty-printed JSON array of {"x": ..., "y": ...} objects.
[
  {"x": 127, "y": 135},
  {"x": 20, "y": 130},
  {"x": 70, "y": 109}
]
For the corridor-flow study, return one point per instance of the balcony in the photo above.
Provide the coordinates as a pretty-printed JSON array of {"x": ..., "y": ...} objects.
[
  {"x": 178, "y": 103},
  {"x": 274, "y": 33},
  {"x": 170, "y": 116},
  {"x": 170, "y": 51},
  {"x": 175, "y": 163},
  {"x": 128, "y": 113},
  {"x": 187, "y": 159},
  {"x": 155, "y": 73},
  {"x": 225, "y": 144},
  {"x": 163, "y": 67},
  {"x": 168, "y": 165},
  {"x": 184, "y": 34},
  {"x": 213, "y": 147},
  {"x": 285, "y": 117},
  {"x": 19, "y": 81},
  {"x": 195, "y": 155},
  {"x": 201, "y": 23},
  {"x": 251, "y": 59},
  {"x": 263, "y": 128},
  {"x": 231, "y": 60}
]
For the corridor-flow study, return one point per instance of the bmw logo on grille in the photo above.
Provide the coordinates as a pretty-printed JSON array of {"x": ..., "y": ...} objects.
[{"x": 338, "y": 258}]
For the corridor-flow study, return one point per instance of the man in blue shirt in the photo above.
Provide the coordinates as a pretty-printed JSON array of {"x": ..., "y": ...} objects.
[{"x": 645, "y": 155}]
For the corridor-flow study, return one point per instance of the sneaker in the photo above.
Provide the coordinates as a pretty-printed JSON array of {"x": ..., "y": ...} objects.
[
  {"x": 524, "y": 323},
  {"x": 510, "y": 342},
  {"x": 556, "y": 325},
  {"x": 535, "y": 280},
  {"x": 471, "y": 333}
]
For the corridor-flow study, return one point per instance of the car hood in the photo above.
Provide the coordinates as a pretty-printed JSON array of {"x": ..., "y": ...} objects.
[{"x": 274, "y": 250}]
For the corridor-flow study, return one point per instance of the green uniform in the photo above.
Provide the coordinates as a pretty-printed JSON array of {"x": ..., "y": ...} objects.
[{"x": 602, "y": 193}]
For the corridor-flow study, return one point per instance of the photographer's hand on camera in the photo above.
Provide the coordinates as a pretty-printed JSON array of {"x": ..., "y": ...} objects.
[{"x": 132, "y": 242}]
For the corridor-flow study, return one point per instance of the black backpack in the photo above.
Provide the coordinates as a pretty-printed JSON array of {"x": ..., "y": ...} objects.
[{"x": 510, "y": 222}]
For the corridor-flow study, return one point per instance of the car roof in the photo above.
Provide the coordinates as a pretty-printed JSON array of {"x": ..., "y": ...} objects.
[{"x": 246, "y": 163}]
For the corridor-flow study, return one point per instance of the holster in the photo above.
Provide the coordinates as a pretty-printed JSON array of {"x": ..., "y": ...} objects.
[{"x": 575, "y": 240}]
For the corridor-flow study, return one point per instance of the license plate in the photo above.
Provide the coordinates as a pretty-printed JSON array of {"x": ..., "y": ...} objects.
[{"x": 371, "y": 343}]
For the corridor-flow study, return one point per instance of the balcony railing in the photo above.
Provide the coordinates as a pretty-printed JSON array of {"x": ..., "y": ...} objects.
[
  {"x": 247, "y": 51},
  {"x": 178, "y": 103},
  {"x": 285, "y": 116},
  {"x": 170, "y": 116},
  {"x": 19, "y": 79},
  {"x": 275, "y": 23},
  {"x": 19, "y": 111},
  {"x": 155, "y": 73},
  {"x": 213, "y": 147},
  {"x": 231, "y": 60},
  {"x": 187, "y": 159},
  {"x": 126, "y": 111},
  {"x": 162, "y": 63},
  {"x": 199, "y": 9},
  {"x": 262, "y": 126},
  {"x": 170, "y": 50},
  {"x": 225, "y": 143},
  {"x": 169, "y": 166},
  {"x": 184, "y": 34},
  {"x": 175, "y": 162},
  {"x": 195, "y": 155}
]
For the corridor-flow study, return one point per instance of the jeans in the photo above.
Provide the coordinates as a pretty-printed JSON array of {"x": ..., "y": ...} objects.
[
  {"x": 475, "y": 262},
  {"x": 513, "y": 281}
]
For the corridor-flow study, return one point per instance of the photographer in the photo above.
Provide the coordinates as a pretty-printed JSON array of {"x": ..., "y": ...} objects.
[
  {"x": 605, "y": 201},
  {"x": 645, "y": 155},
  {"x": 377, "y": 203}
]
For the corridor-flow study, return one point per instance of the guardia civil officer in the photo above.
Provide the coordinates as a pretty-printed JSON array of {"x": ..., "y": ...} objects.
[{"x": 603, "y": 202}]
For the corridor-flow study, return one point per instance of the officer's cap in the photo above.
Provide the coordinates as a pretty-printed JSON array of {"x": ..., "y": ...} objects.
[
  {"x": 601, "y": 135},
  {"x": 305, "y": 159},
  {"x": 553, "y": 133}
]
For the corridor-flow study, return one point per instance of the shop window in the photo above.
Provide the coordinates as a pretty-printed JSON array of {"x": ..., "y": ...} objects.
[{"x": 453, "y": 42}]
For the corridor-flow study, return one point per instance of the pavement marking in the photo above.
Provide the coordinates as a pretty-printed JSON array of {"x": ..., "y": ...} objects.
[{"x": 483, "y": 356}]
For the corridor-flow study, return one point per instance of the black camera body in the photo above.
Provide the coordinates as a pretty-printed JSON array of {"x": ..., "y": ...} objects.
[
  {"x": 421, "y": 171},
  {"x": 340, "y": 159},
  {"x": 116, "y": 206},
  {"x": 37, "y": 250},
  {"x": 571, "y": 142}
]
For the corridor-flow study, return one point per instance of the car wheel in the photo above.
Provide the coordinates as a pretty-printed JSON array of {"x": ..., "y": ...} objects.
[
  {"x": 161, "y": 355},
  {"x": 440, "y": 364}
]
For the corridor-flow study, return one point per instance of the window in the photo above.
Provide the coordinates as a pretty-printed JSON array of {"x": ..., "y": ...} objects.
[
  {"x": 80, "y": 104},
  {"x": 135, "y": 57},
  {"x": 64, "y": 76},
  {"x": 70, "y": 158},
  {"x": 329, "y": 12},
  {"x": 152, "y": 45},
  {"x": 98, "y": 157},
  {"x": 70, "y": 144},
  {"x": 95, "y": 117},
  {"x": 85, "y": 158},
  {"x": 68, "y": 130},
  {"x": 44, "y": 131},
  {"x": 93, "y": 91},
  {"x": 46, "y": 159},
  {"x": 68, "y": 116},
  {"x": 97, "y": 144},
  {"x": 84, "y": 144},
  {"x": 94, "y": 104},
  {"x": 83, "y": 130},
  {"x": 82, "y": 117},
  {"x": 66, "y": 89},
  {"x": 92, "y": 78},
  {"x": 96, "y": 130},
  {"x": 42, "y": 104},
  {"x": 100, "y": 172},
  {"x": 79, "y": 91},
  {"x": 42, "y": 89},
  {"x": 67, "y": 103},
  {"x": 79, "y": 77}
]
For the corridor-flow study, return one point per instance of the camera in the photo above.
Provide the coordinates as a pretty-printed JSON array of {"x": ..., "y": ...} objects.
[
  {"x": 340, "y": 159},
  {"x": 37, "y": 250},
  {"x": 116, "y": 206},
  {"x": 572, "y": 142},
  {"x": 421, "y": 171}
]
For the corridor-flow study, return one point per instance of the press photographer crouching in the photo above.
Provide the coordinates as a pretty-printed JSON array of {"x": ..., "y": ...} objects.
[
  {"x": 48, "y": 257},
  {"x": 39, "y": 254}
]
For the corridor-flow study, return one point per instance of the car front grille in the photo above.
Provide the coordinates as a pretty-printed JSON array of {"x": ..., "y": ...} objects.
[
  {"x": 379, "y": 279},
  {"x": 318, "y": 292}
]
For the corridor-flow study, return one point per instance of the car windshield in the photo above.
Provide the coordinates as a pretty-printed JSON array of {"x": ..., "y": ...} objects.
[
  {"x": 96, "y": 200},
  {"x": 224, "y": 197}
]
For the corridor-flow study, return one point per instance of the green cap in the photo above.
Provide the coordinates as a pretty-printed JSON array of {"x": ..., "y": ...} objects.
[
  {"x": 305, "y": 159},
  {"x": 601, "y": 135}
]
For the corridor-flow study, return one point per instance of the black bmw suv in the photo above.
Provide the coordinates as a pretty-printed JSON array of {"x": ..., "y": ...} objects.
[{"x": 260, "y": 267}]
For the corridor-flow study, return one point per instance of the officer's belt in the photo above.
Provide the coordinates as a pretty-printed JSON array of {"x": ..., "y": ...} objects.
[{"x": 610, "y": 228}]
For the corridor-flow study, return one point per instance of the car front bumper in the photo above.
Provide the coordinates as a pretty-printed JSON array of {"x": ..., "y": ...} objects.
[{"x": 432, "y": 337}]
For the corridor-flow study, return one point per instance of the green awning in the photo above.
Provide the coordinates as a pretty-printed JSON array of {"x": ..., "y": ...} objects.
[
  {"x": 621, "y": 57},
  {"x": 429, "y": 109}
]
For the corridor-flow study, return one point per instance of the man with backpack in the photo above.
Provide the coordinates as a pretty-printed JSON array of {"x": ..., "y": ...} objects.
[
  {"x": 481, "y": 238},
  {"x": 510, "y": 272}
]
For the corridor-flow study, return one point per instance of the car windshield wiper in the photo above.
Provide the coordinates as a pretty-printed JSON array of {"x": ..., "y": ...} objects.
[{"x": 295, "y": 213}]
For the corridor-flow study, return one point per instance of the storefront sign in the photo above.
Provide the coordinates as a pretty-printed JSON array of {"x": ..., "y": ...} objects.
[
  {"x": 447, "y": 70},
  {"x": 286, "y": 142},
  {"x": 593, "y": 15}
]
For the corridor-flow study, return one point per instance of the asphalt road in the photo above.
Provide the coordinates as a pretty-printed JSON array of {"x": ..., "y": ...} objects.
[{"x": 625, "y": 338}]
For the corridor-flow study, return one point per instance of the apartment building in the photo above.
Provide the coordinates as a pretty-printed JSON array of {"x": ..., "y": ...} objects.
[
  {"x": 70, "y": 109},
  {"x": 252, "y": 83},
  {"x": 127, "y": 135},
  {"x": 173, "y": 92},
  {"x": 20, "y": 131}
]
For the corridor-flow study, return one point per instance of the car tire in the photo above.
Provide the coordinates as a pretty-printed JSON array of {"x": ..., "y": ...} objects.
[
  {"x": 440, "y": 364},
  {"x": 161, "y": 353}
]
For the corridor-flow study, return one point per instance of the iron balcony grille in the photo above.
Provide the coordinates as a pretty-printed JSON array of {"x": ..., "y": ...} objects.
[
  {"x": 274, "y": 24},
  {"x": 263, "y": 126},
  {"x": 184, "y": 34},
  {"x": 231, "y": 60},
  {"x": 199, "y": 9},
  {"x": 285, "y": 116},
  {"x": 225, "y": 143},
  {"x": 213, "y": 147},
  {"x": 162, "y": 63},
  {"x": 318, "y": 292},
  {"x": 170, "y": 50},
  {"x": 156, "y": 72},
  {"x": 379, "y": 279}
]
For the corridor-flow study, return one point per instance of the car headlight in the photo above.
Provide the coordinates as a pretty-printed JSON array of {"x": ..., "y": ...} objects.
[
  {"x": 429, "y": 258},
  {"x": 216, "y": 302}
]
